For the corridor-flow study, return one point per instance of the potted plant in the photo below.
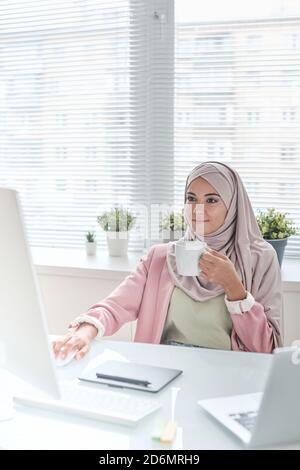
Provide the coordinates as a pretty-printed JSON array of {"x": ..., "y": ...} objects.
[
  {"x": 276, "y": 228},
  {"x": 90, "y": 243},
  {"x": 172, "y": 226},
  {"x": 117, "y": 223}
]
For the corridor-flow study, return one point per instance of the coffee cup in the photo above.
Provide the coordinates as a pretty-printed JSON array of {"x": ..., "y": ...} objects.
[{"x": 188, "y": 253}]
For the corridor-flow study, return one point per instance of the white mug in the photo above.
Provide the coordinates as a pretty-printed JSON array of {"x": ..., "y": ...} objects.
[{"x": 188, "y": 253}]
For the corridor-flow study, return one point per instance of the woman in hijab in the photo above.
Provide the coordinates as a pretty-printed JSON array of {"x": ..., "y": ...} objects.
[{"x": 234, "y": 303}]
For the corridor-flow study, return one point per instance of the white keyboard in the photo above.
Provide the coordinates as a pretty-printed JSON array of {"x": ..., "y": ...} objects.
[{"x": 94, "y": 403}]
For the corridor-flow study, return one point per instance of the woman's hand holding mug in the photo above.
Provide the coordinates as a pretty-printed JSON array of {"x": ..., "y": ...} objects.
[{"x": 218, "y": 268}]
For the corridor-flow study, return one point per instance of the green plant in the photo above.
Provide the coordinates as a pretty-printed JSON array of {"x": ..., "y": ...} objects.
[
  {"x": 275, "y": 225},
  {"x": 90, "y": 237},
  {"x": 117, "y": 219},
  {"x": 173, "y": 221}
]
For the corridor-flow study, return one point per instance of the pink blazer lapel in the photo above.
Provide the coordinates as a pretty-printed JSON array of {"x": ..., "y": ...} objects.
[{"x": 166, "y": 287}]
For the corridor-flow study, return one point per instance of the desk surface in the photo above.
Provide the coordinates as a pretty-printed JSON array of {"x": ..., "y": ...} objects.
[{"x": 206, "y": 373}]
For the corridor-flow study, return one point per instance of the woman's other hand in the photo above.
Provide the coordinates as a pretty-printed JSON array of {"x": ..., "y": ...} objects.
[{"x": 78, "y": 340}]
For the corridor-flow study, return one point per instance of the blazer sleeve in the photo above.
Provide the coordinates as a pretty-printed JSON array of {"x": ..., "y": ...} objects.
[
  {"x": 123, "y": 304},
  {"x": 259, "y": 325},
  {"x": 252, "y": 331}
]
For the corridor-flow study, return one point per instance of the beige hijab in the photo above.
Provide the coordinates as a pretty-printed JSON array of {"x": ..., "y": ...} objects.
[{"x": 239, "y": 238}]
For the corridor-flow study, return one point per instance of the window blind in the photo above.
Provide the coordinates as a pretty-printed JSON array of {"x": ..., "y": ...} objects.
[
  {"x": 87, "y": 109},
  {"x": 237, "y": 100},
  {"x": 75, "y": 94},
  {"x": 86, "y": 112}
]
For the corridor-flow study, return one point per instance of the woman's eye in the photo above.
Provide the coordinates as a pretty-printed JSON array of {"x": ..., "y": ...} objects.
[
  {"x": 209, "y": 199},
  {"x": 190, "y": 198}
]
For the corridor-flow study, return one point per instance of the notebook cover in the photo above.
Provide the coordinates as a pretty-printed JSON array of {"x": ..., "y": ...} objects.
[{"x": 158, "y": 377}]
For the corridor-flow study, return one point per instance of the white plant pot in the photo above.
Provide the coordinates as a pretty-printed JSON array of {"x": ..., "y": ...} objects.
[
  {"x": 117, "y": 243},
  {"x": 91, "y": 248}
]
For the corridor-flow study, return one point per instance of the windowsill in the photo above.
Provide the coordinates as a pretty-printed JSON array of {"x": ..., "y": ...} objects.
[
  {"x": 290, "y": 274},
  {"x": 64, "y": 262}
]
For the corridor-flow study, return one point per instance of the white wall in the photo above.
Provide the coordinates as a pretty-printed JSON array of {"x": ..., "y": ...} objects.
[{"x": 67, "y": 296}]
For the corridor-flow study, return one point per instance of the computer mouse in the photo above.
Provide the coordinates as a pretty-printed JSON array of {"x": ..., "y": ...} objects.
[{"x": 63, "y": 362}]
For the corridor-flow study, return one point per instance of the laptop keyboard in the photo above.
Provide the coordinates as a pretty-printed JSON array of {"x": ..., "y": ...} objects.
[{"x": 246, "y": 419}]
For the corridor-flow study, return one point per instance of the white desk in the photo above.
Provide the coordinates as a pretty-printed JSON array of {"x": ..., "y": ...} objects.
[{"x": 206, "y": 373}]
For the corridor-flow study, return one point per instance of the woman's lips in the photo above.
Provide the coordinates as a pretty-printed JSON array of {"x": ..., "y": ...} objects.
[{"x": 194, "y": 220}]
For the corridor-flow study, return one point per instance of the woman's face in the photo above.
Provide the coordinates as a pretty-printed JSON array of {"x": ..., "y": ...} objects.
[{"x": 211, "y": 210}]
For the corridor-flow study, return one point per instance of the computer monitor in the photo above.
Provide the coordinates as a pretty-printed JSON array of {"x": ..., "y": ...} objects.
[{"x": 24, "y": 340}]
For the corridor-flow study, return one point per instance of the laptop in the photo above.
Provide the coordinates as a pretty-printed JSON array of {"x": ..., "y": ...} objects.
[
  {"x": 266, "y": 418},
  {"x": 24, "y": 340}
]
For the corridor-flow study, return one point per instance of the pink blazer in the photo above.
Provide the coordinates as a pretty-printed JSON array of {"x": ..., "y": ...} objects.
[{"x": 145, "y": 295}]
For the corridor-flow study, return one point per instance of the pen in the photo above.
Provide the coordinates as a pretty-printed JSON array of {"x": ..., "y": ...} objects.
[{"x": 144, "y": 383}]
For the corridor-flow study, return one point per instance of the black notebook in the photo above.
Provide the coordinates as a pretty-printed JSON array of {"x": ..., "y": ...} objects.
[{"x": 131, "y": 375}]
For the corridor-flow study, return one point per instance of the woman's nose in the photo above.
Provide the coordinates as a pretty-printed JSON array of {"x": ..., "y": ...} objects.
[{"x": 200, "y": 212}]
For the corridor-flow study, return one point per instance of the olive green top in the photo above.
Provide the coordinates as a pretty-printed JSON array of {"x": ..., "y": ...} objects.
[{"x": 207, "y": 324}]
